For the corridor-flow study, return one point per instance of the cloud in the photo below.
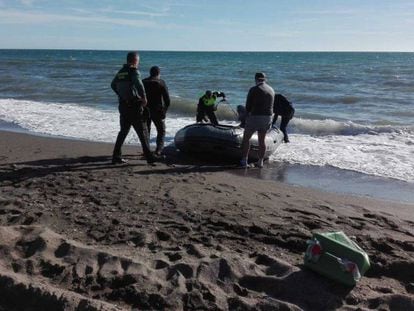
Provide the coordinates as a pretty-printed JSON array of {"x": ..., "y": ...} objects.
[
  {"x": 34, "y": 17},
  {"x": 238, "y": 28},
  {"x": 27, "y": 2},
  {"x": 330, "y": 12},
  {"x": 146, "y": 9},
  {"x": 139, "y": 13}
]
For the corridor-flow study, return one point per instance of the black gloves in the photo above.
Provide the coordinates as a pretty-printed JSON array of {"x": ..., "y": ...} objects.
[{"x": 219, "y": 94}]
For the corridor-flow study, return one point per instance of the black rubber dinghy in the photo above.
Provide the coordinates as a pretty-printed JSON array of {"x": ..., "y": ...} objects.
[{"x": 223, "y": 141}]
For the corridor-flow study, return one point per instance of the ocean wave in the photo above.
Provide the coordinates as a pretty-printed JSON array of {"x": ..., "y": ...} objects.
[
  {"x": 187, "y": 108},
  {"x": 385, "y": 155},
  {"x": 398, "y": 83},
  {"x": 73, "y": 120},
  {"x": 401, "y": 85},
  {"x": 329, "y": 79},
  {"x": 348, "y": 128},
  {"x": 29, "y": 114},
  {"x": 402, "y": 113},
  {"x": 316, "y": 99},
  {"x": 377, "y": 150}
]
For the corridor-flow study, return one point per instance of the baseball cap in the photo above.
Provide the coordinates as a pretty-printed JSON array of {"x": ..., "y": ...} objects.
[{"x": 260, "y": 76}]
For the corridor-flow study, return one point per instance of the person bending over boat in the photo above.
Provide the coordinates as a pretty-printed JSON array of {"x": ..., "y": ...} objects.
[
  {"x": 259, "y": 107},
  {"x": 282, "y": 107},
  {"x": 207, "y": 105},
  {"x": 158, "y": 103}
]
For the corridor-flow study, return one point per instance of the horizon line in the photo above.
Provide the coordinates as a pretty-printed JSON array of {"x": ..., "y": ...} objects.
[{"x": 212, "y": 51}]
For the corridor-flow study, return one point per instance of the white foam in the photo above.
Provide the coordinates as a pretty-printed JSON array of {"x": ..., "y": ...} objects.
[
  {"x": 385, "y": 150},
  {"x": 75, "y": 121},
  {"x": 377, "y": 150},
  {"x": 387, "y": 155},
  {"x": 333, "y": 127}
]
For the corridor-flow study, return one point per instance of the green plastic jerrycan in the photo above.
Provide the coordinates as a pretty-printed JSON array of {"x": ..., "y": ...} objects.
[{"x": 337, "y": 257}]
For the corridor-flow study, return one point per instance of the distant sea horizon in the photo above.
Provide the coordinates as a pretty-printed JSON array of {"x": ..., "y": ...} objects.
[{"x": 212, "y": 51}]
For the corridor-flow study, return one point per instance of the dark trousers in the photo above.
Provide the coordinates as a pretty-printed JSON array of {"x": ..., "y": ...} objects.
[
  {"x": 158, "y": 118},
  {"x": 140, "y": 126},
  {"x": 283, "y": 125},
  {"x": 209, "y": 111}
]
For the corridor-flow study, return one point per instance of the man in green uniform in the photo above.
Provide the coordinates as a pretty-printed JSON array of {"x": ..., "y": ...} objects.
[
  {"x": 132, "y": 107},
  {"x": 207, "y": 106}
]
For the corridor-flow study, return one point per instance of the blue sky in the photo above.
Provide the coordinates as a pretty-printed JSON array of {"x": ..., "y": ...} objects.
[{"x": 265, "y": 25}]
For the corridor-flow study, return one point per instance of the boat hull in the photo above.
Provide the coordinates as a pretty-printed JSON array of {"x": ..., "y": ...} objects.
[{"x": 223, "y": 141}]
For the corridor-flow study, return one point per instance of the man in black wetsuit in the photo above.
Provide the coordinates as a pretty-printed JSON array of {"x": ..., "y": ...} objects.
[
  {"x": 282, "y": 107},
  {"x": 207, "y": 106},
  {"x": 132, "y": 107},
  {"x": 158, "y": 103}
]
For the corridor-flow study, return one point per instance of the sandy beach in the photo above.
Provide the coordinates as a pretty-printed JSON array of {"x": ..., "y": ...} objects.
[{"x": 77, "y": 233}]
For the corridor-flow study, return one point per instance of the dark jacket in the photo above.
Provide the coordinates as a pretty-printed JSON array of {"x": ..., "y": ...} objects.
[
  {"x": 260, "y": 100},
  {"x": 128, "y": 85},
  {"x": 157, "y": 94},
  {"x": 282, "y": 106}
]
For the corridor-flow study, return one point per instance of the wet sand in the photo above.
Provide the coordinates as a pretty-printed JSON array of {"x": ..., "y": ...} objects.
[
  {"x": 336, "y": 180},
  {"x": 77, "y": 233}
]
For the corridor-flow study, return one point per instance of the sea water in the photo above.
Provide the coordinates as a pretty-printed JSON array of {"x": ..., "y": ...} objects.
[{"x": 354, "y": 111}]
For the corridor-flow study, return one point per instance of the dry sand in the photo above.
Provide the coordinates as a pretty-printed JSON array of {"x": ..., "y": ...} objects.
[{"x": 77, "y": 233}]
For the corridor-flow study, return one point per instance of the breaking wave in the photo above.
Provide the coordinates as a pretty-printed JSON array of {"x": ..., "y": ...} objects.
[
  {"x": 347, "y": 128},
  {"x": 381, "y": 150}
]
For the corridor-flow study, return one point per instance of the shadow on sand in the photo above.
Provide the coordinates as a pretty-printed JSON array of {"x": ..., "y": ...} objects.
[{"x": 174, "y": 162}]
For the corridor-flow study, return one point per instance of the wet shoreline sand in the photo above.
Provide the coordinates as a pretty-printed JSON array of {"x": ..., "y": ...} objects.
[
  {"x": 336, "y": 180},
  {"x": 324, "y": 178},
  {"x": 78, "y": 232}
]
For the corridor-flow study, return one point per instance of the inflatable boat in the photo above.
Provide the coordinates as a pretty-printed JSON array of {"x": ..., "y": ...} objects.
[{"x": 223, "y": 141}]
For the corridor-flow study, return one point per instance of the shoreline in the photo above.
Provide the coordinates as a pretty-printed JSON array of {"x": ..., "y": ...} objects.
[
  {"x": 329, "y": 179},
  {"x": 77, "y": 231}
]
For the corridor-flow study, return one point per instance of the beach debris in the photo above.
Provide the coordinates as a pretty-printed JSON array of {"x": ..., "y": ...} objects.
[
  {"x": 314, "y": 250},
  {"x": 336, "y": 256},
  {"x": 350, "y": 267}
]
